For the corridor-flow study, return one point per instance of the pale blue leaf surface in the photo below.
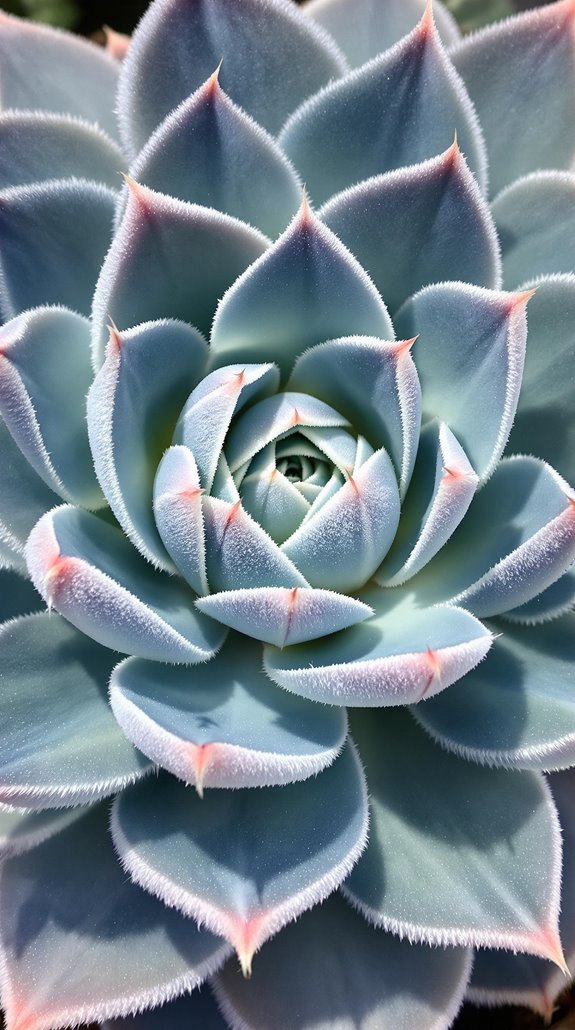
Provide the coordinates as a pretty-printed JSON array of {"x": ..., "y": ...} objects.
[
  {"x": 23, "y": 499},
  {"x": 244, "y": 862},
  {"x": 67, "y": 749},
  {"x": 518, "y": 707},
  {"x": 440, "y": 493},
  {"x": 521, "y": 77},
  {"x": 208, "y": 151},
  {"x": 340, "y": 546},
  {"x": 535, "y": 219},
  {"x": 500, "y": 979},
  {"x": 443, "y": 206},
  {"x": 517, "y": 538},
  {"x": 178, "y": 515},
  {"x": 17, "y": 595},
  {"x": 556, "y": 600},
  {"x": 363, "y": 28},
  {"x": 176, "y": 47},
  {"x": 196, "y": 1010},
  {"x": 43, "y": 232},
  {"x": 35, "y": 349},
  {"x": 224, "y": 724},
  {"x": 89, "y": 572},
  {"x": 332, "y": 969},
  {"x": 473, "y": 339},
  {"x": 401, "y": 655},
  {"x": 70, "y": 75},
  {"x": 374, "y": 385},
  {"x": 36, "y": 146},
  {"x": 271, "y": 498},
  {"x": 133, "y": 405},
  {"x": 544, "y": 423},
  {"x": 283, "y": 616},
  {"x": 22, "y": 830},
  {"x": 146, "y": 274},
  {"x": 398, "y": 109},
  {"x": 437, "y": 820},
  {"x": 69, "y": 901},
  {"x": 322, "y": 290}
]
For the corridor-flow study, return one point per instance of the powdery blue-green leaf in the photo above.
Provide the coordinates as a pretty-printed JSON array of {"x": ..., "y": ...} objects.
[
  {"x": 128, "y": 950},
  {"x": 283, "y": 616},
  {"x": 321, "y": 288},
  {"x": 176, "y": 47},
  {"x": 474, "y": 340},
  {"x": 240, "y": 554},
  {"x": 17, "y": 595},
  {"x": 340, "y": 546},
  {"x": 556, "y": 600},
  {"x": 436, "y": 821},
  {"x": 209, "y": 151},
  {"x": 59, "y": 742},
  {"x": 401, "y": 655},
  {"x": 506, "y": 979},
  {"x": 86, "y": 79},
  {"x": 22, "y": 830},
  {"x": 224, "y": 724},
  {"x": 35, "y": 147},
  {"x": 245, "y": 862},
  {"x": 544, "y": 423},
  {"x": 374, "y": 385},
  {"x": 206, "y": 417},
  {"x": 23, "y": 499},
  {"x": 517, "y": 708},
  {"x": 179, "y": 517},
  {"x": 196, "y": 1010},
  {"x": 147, "y": 272},
  {"x": 89, "y": 572},
  {"x": 521, "y": 77},
  {"x": 536, "y": 226},
  {"x": 363, "y": 28},
  {"x": 440, "y": 493},
  {"x": 133, "y": 405},
  {"x": 398, "y": 109},
  {"x": 45, "y": 373},
  {"x": 43, "y": 232},
  {"x": 441, "y": 202},
  {"x": 332, "y": 969},
  {"x": 517, "y": 538}
]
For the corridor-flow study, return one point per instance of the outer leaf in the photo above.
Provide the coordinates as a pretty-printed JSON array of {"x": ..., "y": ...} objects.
[
  {"x": 441, "y": 202},
  {"x": 208, "y": 151},
  {"x": 199, "y": 1010},
  {"x": 190, "y": 42},
  {"x": 35, "y": 147},
  {"x": 475, "y": 340},
  {"x": 21, "y": 830},
  {"x": 17, "y": 595},
  {"x": 398, "y": 109},
  {"x": 363, "y": 28},
  {"x": 440, "y": 494},
  {"x": 556, "y": 600},
  {"x": 437, "y": 820},
  {"x": 323, "y": 293},
  {"x": 84, "y": 86},
  {"x": 530, "y": 512},
  {"x": 544, "y": 424},
  {"x": 88, "y": 571},
  {"x": 129, "y": 951},
  {"x": 401, "y": 655},
  {"x": 523, "y": 979},
  {"x": 223, "y": 725},
  {"x": 68, "y": 750},
  {"x": 133, "y": 405},
  {"x": 536, "y": 225},
  {"x": 332, "y": 969},
  {"x": 249, "y": 862},
  {"x": 520, "y": 74},
  {"x": 23, "y": 499},
  {"x": 45, "y": 410},
  {"x": 43, "y": 232},
  {"x": 146, "y": 274},
  {"x": 517, "y": 708},
  {"x": 375, "y": 387}
]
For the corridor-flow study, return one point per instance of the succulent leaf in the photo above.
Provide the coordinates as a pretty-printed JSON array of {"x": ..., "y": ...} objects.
[
  {"x": 556, "y": 600},
  {"x": 21, "y": 830},
  {"x": 536, "y": 225},
  {"x": 17, "y": 595},
  {"x": 198, "y": 1009},
  {"x": 23, "y": 499}
]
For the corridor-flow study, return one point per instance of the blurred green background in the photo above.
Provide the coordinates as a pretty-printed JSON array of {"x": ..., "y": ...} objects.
[{"x": 87, "y": 16}]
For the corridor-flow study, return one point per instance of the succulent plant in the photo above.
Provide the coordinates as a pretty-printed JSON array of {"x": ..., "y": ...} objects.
[{"x": 292, "y": 481}]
